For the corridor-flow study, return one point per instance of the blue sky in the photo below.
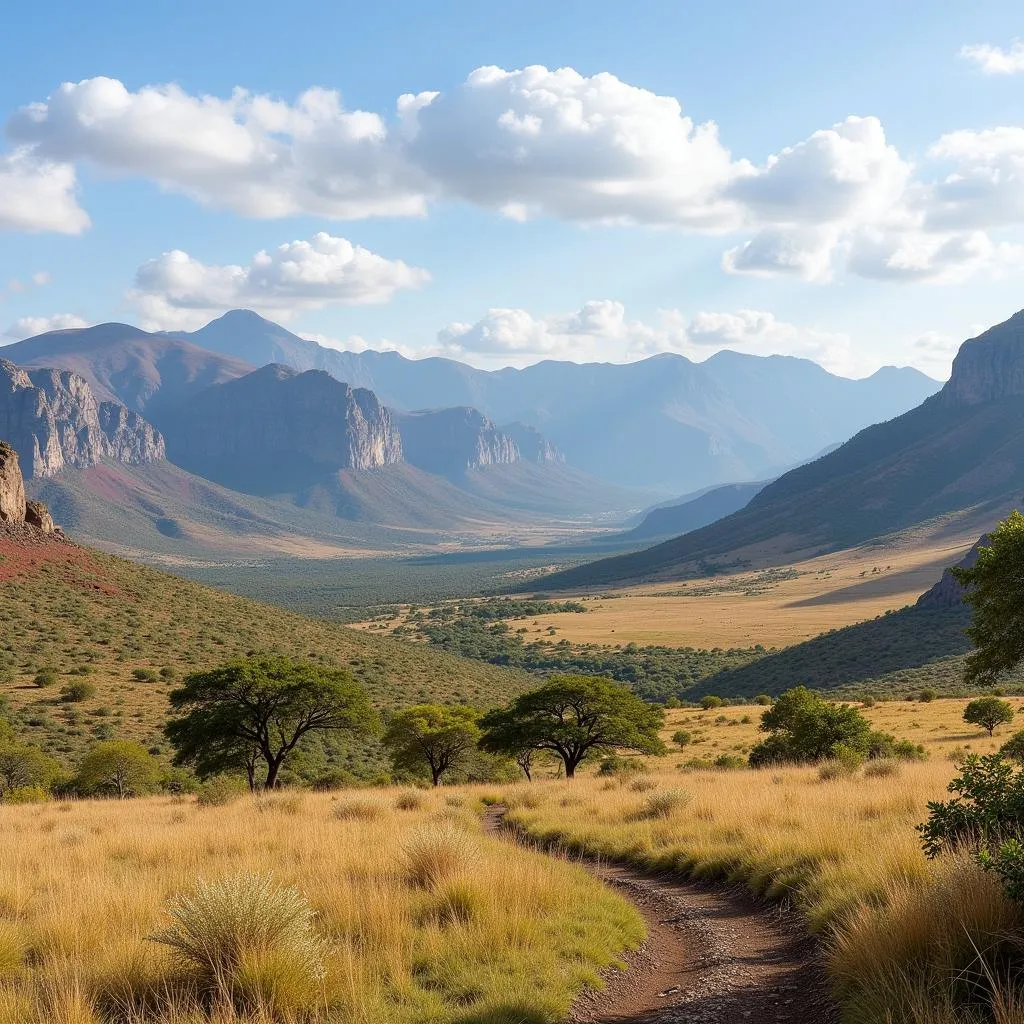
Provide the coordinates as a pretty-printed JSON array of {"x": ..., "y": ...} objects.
[{"x": 522, "y": 216}]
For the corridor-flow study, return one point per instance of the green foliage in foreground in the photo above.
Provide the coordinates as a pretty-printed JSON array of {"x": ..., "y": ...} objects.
[
  {"x": 985, "y": 814},
  {"x": 573, "y": 717},
  {"x": 119, "y": 767}
]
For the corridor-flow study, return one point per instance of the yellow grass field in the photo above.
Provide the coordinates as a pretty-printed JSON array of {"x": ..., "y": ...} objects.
[
  {"x": 418, "y": 915},
  {"x": 843, "y": 851},
  {"x": 774, "y": 607}
]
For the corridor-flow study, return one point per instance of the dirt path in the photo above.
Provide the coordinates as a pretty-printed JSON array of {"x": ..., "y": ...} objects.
[{"x": 712, "y": 956}]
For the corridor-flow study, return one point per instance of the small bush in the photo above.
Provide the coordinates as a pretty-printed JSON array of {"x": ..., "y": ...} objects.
[
  {"x": 642, "y": 785},
  {"x": 409, "y": 800},
  {"x": 167, "y": 672},
  {"x": 763, "y": 699},
  {"x": 144, "y": 675},
  {"x": 224, "y": 931},
  {"x": 45, "y": 677},
  {"x": 434, "y": 854},
  {"x": 730, "y": 762},
  {"x": 1013, "y": 748},
  {"x": 221, "y": 790},
  {"x": 615, "y": 765},
  {"x": 927, "y": 695},
  {"x": 358, "y": 810},
  {"x": 27, "y": 795},
  {"x": 682, "y": 738},
  {"x": 710, "y": 701},
  {"x": 881, "y": 768},
  {"x": 75, "y": 693},
  {"x": 665, "y": 803}
]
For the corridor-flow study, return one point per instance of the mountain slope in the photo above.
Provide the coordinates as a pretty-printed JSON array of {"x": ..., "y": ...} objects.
[
  {"x": 663, "y": 423},
  {"x": 148, "y": 373},
  {"x": 669, "y": 520},
  {"x": 960, "y": 449},
  {"x": 117, "y": 617}
]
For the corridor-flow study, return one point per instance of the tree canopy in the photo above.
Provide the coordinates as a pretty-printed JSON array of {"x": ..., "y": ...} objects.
[
  {"x": 988, "y": 712},
  {"x": 574, "y": 717},
  {"x": 804, "y": 727},
  {"x": 119, "y": 766},
  {"x": 253, "y": 712},
  {"x": 432, "y": 737},
  {"x": 995, "y": 590}
]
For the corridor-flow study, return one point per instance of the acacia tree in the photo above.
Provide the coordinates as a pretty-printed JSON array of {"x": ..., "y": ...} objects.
[
  {"x": 433, "y": 737},
  {"x": 118, "y": 765},
  {"x": 255, "y": 711},
  {"x": 995, "y": 590},
  {"x": 574, "y": 717}
]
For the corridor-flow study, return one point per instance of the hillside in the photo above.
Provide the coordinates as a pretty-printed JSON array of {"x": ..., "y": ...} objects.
[
  {"x": 671, "y": 520},
  {"x": 959, "y": 450},
  {"x": 100, "y": 619},
  {"x": 664, "y": 423},
  {"x": 148, "y": 373}
]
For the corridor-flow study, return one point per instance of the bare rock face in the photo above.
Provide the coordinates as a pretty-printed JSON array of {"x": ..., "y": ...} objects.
[
  {"x": 988, "y": 367},
  {"x": 38, "y": 515},
  {"x": 949, "y": 592},
  {"x": 52, "y": 419},
  {"x": 12, "y": 486},
  {"x": 532, "y": 444},
  {"x": 276, "y": 430},
  {"x": 452, "y": 441}
]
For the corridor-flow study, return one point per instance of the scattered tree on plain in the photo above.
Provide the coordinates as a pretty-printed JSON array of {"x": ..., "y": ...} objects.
[
  {"x": 118, "y": 766},
  {"x": 803, "y": 727},
  {"x": 574, "y": 717},
  {"x": 250, "y": 714},
  {"x": 432, "y": 737},
  {"x": 988, "y": 712}
]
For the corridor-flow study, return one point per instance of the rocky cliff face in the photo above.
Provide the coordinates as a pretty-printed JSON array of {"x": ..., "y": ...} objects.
[
  {"x": 12, "y": 486},
  {"x": 532, "y": 444},
  {"x": 450, "y": 442},
  {"x": 275, "y": 429},
  {"x": 948, "y": 592},
  {"x": 988, "y": 367},
  {"x": 52, "y": 419}
]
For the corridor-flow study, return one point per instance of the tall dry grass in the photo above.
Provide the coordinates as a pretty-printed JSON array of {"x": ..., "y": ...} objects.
[
  {"x": 402, "y": 915},
  {"x": 910, "y": 941}
]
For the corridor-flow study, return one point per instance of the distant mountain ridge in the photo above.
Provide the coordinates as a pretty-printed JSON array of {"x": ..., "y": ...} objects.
[
  {"x": 664, "y": 423},
  {"x": 960, "y": 449},
  {"x": 690, "y": 515}
]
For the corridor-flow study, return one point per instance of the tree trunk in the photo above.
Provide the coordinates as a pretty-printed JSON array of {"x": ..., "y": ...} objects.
[
  {"x": 272, "y": 769},
  {"x": 435, "y": 774}
]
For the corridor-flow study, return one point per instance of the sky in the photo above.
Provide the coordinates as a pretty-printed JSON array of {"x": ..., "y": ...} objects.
[{"x": 508, "y": 183}]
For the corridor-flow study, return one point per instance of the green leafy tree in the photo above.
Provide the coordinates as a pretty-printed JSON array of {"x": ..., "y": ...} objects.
[
  {"x": 803, "y": 727},
  {"x": 995, "y": 590},
  {"x": 432, "y": 738},
  {"x": 710, "y": 702},
  {"x": 573, "y": 717},
  {"x": 252, "y": 713},
  {"x": 24, "y": 766},
  {"x": 118, "y": 766},
  {"x": 988, "y": 712}
]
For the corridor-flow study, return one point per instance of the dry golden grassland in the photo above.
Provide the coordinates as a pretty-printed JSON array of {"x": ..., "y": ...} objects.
[
  {"x": 774, "y": 607},
  {"x": 900, "y": 930},
  {"x": 418, "y": 915}
]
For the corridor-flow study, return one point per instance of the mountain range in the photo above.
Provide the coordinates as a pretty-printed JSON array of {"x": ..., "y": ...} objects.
[
  {"x": 961, "y": 450},
  {"x": 248, "y": 412},
  {"x": 664, "y": 423}
]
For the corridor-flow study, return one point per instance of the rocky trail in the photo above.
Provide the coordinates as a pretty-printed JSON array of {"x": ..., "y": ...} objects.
[{"x": 712, "y": 956}]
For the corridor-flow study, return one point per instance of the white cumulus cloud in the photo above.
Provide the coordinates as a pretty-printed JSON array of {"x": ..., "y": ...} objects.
[
  {"x": 175, "y": 291},
  {"x": 30, "y": 326},
  {"x": 994, "y": 60},
  {"x": 38, "y": 195}
]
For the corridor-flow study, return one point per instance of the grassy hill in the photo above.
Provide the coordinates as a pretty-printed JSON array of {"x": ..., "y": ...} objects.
[{"x": 130, "y": 631}]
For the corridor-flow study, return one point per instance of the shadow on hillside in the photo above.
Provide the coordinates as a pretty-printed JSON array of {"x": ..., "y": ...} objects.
[
  {"x": 883, "y": 584},
  {"x": 906, "y": 639}
]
